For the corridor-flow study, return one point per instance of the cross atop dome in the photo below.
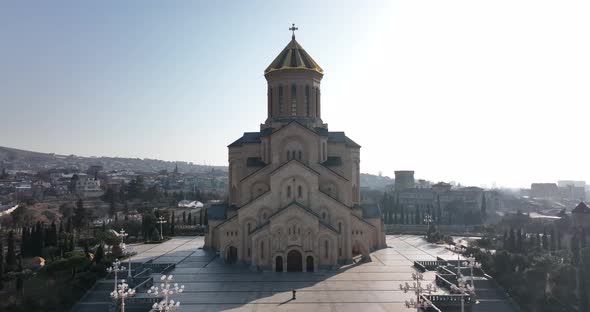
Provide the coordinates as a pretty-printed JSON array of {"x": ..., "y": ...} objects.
[{"x": 293, "y": 29}]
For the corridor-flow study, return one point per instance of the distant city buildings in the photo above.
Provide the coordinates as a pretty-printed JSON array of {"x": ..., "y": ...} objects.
[{"x": 564, "y": 189}]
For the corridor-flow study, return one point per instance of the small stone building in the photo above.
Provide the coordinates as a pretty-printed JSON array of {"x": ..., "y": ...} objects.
[
  {"x": 294, "y": 199},
  {"x": 581, "y": 215}
]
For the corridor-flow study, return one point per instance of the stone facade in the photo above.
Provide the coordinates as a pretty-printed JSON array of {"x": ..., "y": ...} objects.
[{"x": 294, "y": 199}]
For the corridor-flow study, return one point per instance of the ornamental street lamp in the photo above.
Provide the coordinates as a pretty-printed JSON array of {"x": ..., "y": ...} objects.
[
  {"x": 166, "y": 289},
  {"x": 115, "y": 268},
  {"x": 428, "y": 220},
  {"x": 121, "y": 234},
  {"x": 464, "y": 289},
  {"x": 417, "y": 288},
  {"x": 161, "y": 221},
  {"x": 123, "y": 292},
  {"x": 472, "y": 263}
]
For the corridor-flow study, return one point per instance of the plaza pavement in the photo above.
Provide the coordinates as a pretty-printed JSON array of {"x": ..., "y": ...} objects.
[{"x": 211, "y": 285}]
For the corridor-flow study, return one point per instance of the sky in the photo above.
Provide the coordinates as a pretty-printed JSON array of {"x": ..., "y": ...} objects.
[{"x": 487, "y": 93}]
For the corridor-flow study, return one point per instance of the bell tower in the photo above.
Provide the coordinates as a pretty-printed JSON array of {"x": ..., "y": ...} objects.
[{"x": 293, "y": 80}]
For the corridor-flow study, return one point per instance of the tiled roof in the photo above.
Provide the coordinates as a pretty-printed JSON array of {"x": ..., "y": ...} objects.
[
  {"x": 581, "y": 208},
  {"x": 293, "y": 56},
  {"x": 340, "y": 137},
  {"x": 248, "y": 137}
]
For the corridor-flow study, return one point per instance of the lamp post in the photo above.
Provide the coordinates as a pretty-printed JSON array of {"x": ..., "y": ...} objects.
[
  {"x": 428, "y": 220},
  {"x": 166, "y": 289},
  {"x": 472, "y": 263},
  {"x": 122, "y": 234},
  {"x": 123, "y": 292},
  {"x": 161, "y": 221},
  {"x": 116, "y": 267},
  {"x": 464, "y": 289},
  {"x": 418, "y": 290}
]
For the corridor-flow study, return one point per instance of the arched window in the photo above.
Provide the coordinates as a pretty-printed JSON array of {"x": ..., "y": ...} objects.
[
  {"x": 339, "y": 227},
  {"x": 281, "y": 99},
  {"x": 299, "y": 191},
  {"x": 289, "y": 191},
  {"x": 299, "y": 155},
  {"x": 307, "y": 101},
  {"x": 326, "y": 248},
  {"x": 261, "y": 249},
  {"x": 323, "y": 215},
  {"x": 249, "y": 229},
  {"x": 293, "y": 100}
]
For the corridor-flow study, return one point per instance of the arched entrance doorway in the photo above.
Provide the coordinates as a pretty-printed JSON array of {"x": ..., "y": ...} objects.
[
  {"x": 309, "y": 264},
  {"x": 279, "y": 264},
  {"x": 294, "y": 261},
  {"x": 231, "y": 255}
]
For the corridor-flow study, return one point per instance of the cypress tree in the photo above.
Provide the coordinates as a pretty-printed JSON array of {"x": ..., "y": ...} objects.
[
  {"x": 483, "y": 206},
  {"x": 545, "y": 240},
  {"x": 511, "y": 240},
  {"x": 438, "y": 210},
  {"x": 403, "y": 214},
  {"x": 53, "y": 234},
  {"x": 539, "y": 245},
  {"x": 417, "y": 216},
  {"x": 190, "y": 218},
  {"x": 553, "y": 242},
  {"x": 519, "y": 245},
  {"x": 575, "y": 249},
  {"x": 24, "y": 250},
  {"x": 99, "y": 254},
  {"x": 172, "y": 224},
  {"x": 201, "y": 216},
  {"x": 184, "y": 217},
  {"x": 1, "y": 264},
  {"x": 205, "y": 218},
  {"x": 10, "y": 252},
  {"x": 558, "y": 240},
  {"x": 583, "y": 238},
  {"x": 505, "y": 239}
]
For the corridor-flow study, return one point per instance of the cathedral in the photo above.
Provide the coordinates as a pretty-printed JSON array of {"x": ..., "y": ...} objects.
[{"x": 294, "y": 200}]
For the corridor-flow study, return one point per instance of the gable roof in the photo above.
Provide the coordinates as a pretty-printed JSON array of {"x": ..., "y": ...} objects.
[
  {"x": 581, "y": 208},
  {"x": 340, "y": 137},
  {"x": 248, "y": 137}
]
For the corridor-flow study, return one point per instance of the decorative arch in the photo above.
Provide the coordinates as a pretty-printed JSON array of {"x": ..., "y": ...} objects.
[
  {"x": 263, "y": 214},
  {"x": 258, "y": 188},
  {"x": 294, "y": 188},
  {"x": 230, "y": 254},
  {"x": 294, "y": 147},
  {"x": 331, "y": 189},
  {"x": 324, "y": 214}
]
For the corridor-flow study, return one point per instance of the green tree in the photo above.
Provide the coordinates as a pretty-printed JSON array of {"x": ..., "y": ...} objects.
[
  {"x": 553, "y": 242},
  {"x": 10, "y": 252},
  {"x": 80, "y": 215},
  {"x": 545, "y": 240},
  {"x": 1, "y": 265}
]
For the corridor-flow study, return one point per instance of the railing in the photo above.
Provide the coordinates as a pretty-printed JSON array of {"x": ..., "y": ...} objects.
[
  {"x": 442, "y": 282},
  {"x": 448, "y": 299},
  {"x": 169, "y": 268},
  {"x": 431, "y": 306},
  {"x": 430, "y": 265},
  {"x": 419, "y": 266}
]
